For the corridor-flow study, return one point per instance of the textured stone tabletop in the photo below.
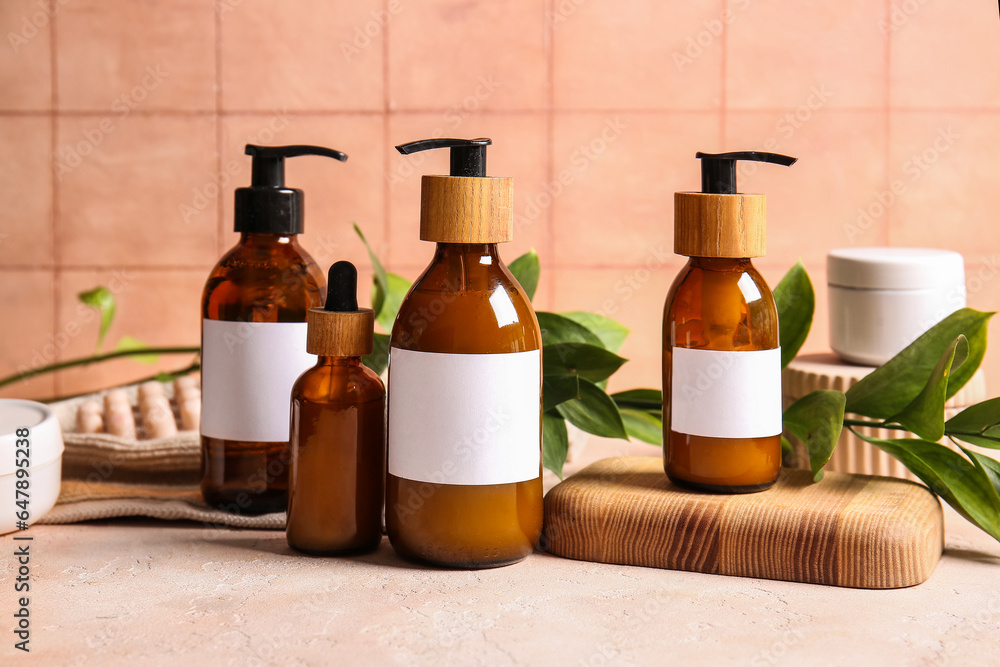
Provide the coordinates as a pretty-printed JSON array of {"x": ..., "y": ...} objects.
[{"x": 143, "y": 592}]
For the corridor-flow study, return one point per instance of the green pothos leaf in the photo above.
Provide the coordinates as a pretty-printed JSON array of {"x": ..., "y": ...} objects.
[
  {"x": 816, "y": 420},
  {"x": 555, "y": 442},
  {"x": 960, "y": 483},
  {"x": 103, "y": 300},
  {"x": 796, "y": 302},
  {"x": 526, "y": 270},
  {"x": 128, "y": 343}
]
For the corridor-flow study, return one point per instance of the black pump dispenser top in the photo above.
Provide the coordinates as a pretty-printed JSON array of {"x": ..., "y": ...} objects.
[
  {"x": 342, "y": 288},
  {"x": 267, "y": 206},
  {"x": 468, "y": 156},
  {"x": 718, "y": 170}
]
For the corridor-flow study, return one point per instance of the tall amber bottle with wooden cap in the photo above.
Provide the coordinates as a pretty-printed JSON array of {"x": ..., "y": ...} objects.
[
  {"x": 464, "y": 484},
  {"x": 336, "y": 483},
  {"x": 721, "y": 354}
]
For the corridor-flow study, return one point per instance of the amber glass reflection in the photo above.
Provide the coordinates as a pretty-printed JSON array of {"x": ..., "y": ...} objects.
[
  {"x": 337, "y": 478},
  {"x": 719, "y": 304},
  {"x": 264, "y": 278},
  {"x": 451, "y": 309}
]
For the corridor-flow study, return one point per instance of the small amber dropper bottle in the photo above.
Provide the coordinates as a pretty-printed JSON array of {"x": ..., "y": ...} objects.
[
  {"x": 336, "y": 486},
  {"x": 721, "y": 351},
  {"x": 464, "y": 485}
]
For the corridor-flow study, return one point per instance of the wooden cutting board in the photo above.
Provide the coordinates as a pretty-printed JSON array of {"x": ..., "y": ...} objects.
[{"x": 859, "y": 531}]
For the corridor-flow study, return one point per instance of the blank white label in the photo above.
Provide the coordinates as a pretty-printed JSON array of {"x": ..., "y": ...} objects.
[
  {"x": 726, "y": 394},
  {"x": 469, "y": 419},
  {"x": 247, "y": 373}
]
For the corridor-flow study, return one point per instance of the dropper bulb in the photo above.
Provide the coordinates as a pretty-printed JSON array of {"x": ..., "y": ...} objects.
[{"x": 342, "y": 288}]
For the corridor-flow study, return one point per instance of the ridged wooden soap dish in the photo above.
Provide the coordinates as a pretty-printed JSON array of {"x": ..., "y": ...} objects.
[{"x": 857, "y": 531}]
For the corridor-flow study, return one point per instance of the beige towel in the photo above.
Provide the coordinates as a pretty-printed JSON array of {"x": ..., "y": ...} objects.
[
  {"x": 83, "y": 501},
  {"x": 105, "y": 476}
]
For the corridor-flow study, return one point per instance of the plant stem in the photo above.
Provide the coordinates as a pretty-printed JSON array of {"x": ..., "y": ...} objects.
[
  {"x": 83, "y": 361},
  {"x": 871, "y": 424},
  {"x": 851, "y": 423}
]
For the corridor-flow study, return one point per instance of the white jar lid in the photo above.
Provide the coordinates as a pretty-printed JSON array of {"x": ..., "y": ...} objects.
[
  {"x": 45, "y": 441},
  {"x": 895, "y": 268}
]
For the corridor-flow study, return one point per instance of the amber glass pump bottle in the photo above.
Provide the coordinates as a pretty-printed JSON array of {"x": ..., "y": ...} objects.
[
  {"x": 253, "y": 340},
  {"x": 464, "y": 484},
  {"x": 721, "y": 354},
  {"x": 338, "y": 430}
]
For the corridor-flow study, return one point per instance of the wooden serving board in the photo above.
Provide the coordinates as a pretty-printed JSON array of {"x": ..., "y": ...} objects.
[{"x": 847, "y": 530}]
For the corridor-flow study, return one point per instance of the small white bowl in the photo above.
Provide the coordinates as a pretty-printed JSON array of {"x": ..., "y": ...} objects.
[{"x": 44, "y": 455}]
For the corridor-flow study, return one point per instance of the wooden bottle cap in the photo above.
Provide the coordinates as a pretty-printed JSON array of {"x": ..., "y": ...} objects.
[
  {"x": 460, "y": 209},
  {"x": 340, "y": 334},
  {"x": 712, "y": 225}
]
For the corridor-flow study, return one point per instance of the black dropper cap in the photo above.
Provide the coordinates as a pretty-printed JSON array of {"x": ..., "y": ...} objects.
[
  {"x": 267, "y": 206},
  {"x": 342, "y": 288},
  {"x": 718, "y": 170},
  {"x": 340, "y": 328},
  {"x": 468, "y": 156}
]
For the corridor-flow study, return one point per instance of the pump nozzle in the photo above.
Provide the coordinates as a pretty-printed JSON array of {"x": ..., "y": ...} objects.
[
  {"x": 342, "y": 288},
  {"x": 468, "y": 156},
  {"x": 467, "y": 206},
  {"x": 267, "y": 206},
  {"x": 718, "y": 170},
  {"x": 719, "y": 221},
  {"x": 269, "y": 161}
]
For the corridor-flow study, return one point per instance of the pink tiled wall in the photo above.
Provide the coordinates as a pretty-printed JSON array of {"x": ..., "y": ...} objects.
[{"x": 122, "y": 126}]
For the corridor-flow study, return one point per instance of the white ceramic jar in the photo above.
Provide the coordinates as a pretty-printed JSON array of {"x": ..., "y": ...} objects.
[
  {"x": 882, "y": 299},
  {"x": 42, "y": 449}
]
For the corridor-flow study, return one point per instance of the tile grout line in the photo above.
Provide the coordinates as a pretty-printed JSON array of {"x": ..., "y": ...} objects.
[
  {"x": 108, "y": 267},
  {"x": 219, "y": 207},
  {"x": 386, "y": 137},
  {"x": 723, "y": 98},
  {"x": 887, "y": 127},
  {"x": 226, "y": 113},
  {"x": 54, "y": 138},
  {"x": 586, "y": 266},
  {"x": 550, "y": 167}
]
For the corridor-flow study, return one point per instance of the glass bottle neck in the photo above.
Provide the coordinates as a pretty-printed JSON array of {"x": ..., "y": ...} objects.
[
  {"x": 466, "y": 266},
  {"x": 260, "y": 240},
  {"x": 482, "y": 253},
  {"x": 338, "y": 361},
  {"x": 719, "y": 263}
]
